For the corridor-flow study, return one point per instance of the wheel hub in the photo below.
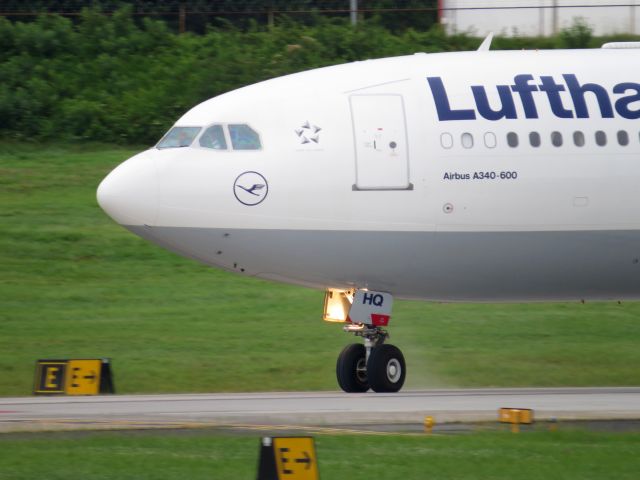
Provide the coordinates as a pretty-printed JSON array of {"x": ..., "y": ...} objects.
[
  {"x": 394, "y": 370},
  {"x": 361, "y": 370}
]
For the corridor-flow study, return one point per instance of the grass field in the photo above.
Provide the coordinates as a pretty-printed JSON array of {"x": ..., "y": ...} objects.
[
  {"x": 198, "y": 455},
  {"x": 75, "y": 284}
]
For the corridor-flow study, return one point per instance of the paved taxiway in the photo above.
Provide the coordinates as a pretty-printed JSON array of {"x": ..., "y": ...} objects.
[{"x": 321, "y": 409}]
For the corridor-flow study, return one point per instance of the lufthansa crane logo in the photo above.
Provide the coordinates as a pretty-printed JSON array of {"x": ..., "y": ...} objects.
[{"x": 250, "y": 188}]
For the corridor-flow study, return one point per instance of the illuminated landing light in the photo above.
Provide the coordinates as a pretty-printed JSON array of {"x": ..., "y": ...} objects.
[{"x": 337, "y": 304}]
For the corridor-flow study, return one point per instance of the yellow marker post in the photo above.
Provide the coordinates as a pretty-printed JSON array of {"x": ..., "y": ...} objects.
[
  {"x": 429, "y": 423},
  {"x": 515, "y": 423}
]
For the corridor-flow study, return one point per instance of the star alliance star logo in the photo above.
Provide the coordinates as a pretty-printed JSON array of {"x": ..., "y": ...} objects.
[{"x": 308, "y": 133}]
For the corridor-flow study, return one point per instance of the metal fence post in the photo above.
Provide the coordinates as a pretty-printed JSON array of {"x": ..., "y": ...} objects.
[
  {"x": 354, "y": 11},
  {"x": 182, "y": 17}
]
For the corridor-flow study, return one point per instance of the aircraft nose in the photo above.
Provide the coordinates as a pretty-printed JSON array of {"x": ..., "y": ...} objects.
[{"x": 129, "y": 194}]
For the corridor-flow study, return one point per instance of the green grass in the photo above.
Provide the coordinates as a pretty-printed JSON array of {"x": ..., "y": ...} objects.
[
  {"x": 74, "y": 284},
  {"x": 499, "y": 455}
]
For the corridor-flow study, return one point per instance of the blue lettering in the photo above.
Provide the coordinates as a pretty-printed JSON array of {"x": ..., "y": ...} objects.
[
  {"x": 627, "y": 106},
  {"x": 553, "y": 90},
  {"x": 622, "y": 104},
  {"x": 508, "y": 109},
  {"x": 521, "y": 87},
  {"x": 442, "y": 103},
  {"x": 370, "y": 298},
  {"x": 577, "y": 92}
]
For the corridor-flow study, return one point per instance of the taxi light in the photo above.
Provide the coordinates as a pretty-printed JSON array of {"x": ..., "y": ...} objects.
[{"x": 337, "y": 304}]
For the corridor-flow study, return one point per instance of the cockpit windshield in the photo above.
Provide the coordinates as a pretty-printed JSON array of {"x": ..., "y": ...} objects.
[
  {"x": 213, "y": 137},
  {"x": 179, "y": 137},
  {"x": 243, "y": 137}
]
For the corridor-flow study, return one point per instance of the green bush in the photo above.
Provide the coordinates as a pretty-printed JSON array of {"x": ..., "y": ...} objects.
[
  {"x": 108, "y": 78},
  {"x": 578, "y": 35}
]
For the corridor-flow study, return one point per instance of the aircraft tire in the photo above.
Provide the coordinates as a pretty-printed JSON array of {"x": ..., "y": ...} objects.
[
  {"x": 351, "y": 370},
  {"x": 386, "y": 369}
]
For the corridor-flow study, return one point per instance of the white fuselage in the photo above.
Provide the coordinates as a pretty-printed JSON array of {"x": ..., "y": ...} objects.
[{"x": 508, "y": 175}]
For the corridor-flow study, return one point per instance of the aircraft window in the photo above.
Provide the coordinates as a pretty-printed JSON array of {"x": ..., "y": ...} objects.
[
  {"x": 578, "y": 138},
  {"x": 243, "y": 137},
  {"x": 601, "y": 138},
  {"x": 623, "y": 138},
  {"x": 213, "y": 137},
  {"x": 467, "y": 140},
  {"x": 446, "y": 140},
  {"x": 490, "y": 140},
  {"x": 556, "y": 139},
  {"x": 512, "y": 139},
  {"x": 178, "y": 137},
  {"x": 534, "y": 139}
]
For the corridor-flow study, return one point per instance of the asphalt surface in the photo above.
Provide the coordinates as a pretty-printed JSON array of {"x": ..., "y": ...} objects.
[{"x": 322, "y": 409}]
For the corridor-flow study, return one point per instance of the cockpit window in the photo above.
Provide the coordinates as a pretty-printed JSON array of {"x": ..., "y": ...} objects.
[
  {"x": 213, "y": 137},
  {"x": 179, "y": 137},
  {"x": 243, "y": 137}
]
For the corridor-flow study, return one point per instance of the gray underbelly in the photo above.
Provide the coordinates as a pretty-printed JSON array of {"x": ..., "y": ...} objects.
[{"x": 447, "y": 266}]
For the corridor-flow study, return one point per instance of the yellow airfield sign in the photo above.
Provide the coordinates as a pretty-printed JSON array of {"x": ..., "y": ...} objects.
[
  {"x": 73, "y": 377},
  {"x": 83, "y": 377},
  {"x": 288, "y": 458},
  {"x": 295, "y": 458},
  {"x": 516, "y": 415},
  {"x": 50, "y": 376}
]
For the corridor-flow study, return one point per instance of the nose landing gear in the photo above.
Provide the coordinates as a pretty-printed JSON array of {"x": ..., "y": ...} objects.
[{"x": 375, "y": 365}]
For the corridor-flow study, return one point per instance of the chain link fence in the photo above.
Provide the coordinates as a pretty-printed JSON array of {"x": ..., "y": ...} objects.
[
  {"x": 195, "y": 15},
  {"x": 507, "y": 17},
  {"x": 218, "y": 7}
]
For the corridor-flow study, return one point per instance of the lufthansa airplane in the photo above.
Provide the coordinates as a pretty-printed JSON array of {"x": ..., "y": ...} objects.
[{"x": 485, "y": 176}]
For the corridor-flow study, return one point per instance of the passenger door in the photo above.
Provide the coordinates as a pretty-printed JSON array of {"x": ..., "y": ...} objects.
[{"x": 380, "y": 135}]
